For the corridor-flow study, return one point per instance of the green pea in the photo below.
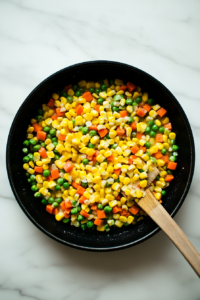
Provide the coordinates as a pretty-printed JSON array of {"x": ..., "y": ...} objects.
[
  {"x": 26, "y": 143},
  {"x": 40, "y": 112},
  {"x": 74, "y": 87},
  {"x": 163, "y": 151},
  {"x": 34, "y": 188},
  {"x": 121, "y": 107},
  {"x": 44, "y": 201},
  {"x": 128, "y": 101},
  {"x": 79, "y": 208},
  {"x": 100, "y": 206},
  {"x": 46, "y": 129},
  {"x": 80, "y": 218},
  {"x": 154, "y": 127},
  {"x": 134, "y": 103},
  {"x": 175, "y": 147},
  {"x": 82, "y": 90},
  {"x": 43, "y": 144},
  {"x": 106, "y": 227},
  {"x": 52, "y": 132},
  {"x": 140, "y": 170},
  {"x": 46, "y": 173},
  {"x": 148, "y": 129},
  {"x": 100, "y": 101},
  {"x": 115, "y": 108},
  {"x": 112, "y": 104},
  {"x": 37, "y": 195},
  {"x": 32, "y": 177},
  {"x": 107, "y": 209},
  {"x": 31, "y": 157},
  {"x": 74, "y": 211},
  {"x": 104, "y": 87},
  {"x": 49, "y": 136},
  {"x": 56, "y": 157},
  {"x": 133, "y": 134},
  {"x": 74, "y": 202},
  {"x": 97, "y": 91},
  {"x": 51, "y": 200},
  {"x": 157, "y": 177},
  {"x": 39, "y": 118},
  {"x": 147, "y": 152},
  {"x": 161, "y": 129},
  {"x": 91, "y": 146},
  {"x": 118, "y": 97},
  {"x": 83, "y": 226},
  {"x": 175, "y": 153},
  {"x": 166, "y": 132},
  {"x": 116, "y": 180},
  {"x": 172, "y": 158},
  {"x": 65, "y": 220},
  {"x": 55, "y": 143},
  {"x": 64, "y": 94},
  {"x": 150, "y": 102},
  {"x": 25, "y": 159},
  {"x": 169, "y": 172},
  {"x": 29, "y": 181},
  {"x": 60, "y": 181},
  {"x": 84, "y": 184},
  {"x": 150, "y": 123},
  {"x": 69, "y": 99},
  {"x": 138, "y": 100},
  {"x": 34, "y": 182},
  {"x": 126, "y": 224},
  {"x": 92, "y": 90},
  {"x": 77, "y": 93},
  {"x": 85, "y": 161},
  {"x": 55, "y": 204},
  {"x": 66, "y": 185},
  {"x": 93, "y": 133},
  {"x": 130, "y": 120},
  {"x": 152, "y": 133},
  {"x": 89, "y": 224},
  {"x": 36, "y": 148},
  {"x": 74, "y": 123},
  {"x": 85, "y": 130},
  {"x": 153, "y": 159},
  {"x": 114, "y": 146},
  {"x": 59, "y": 200},
  {"x": 57, "y": 187},
  {"x": 163, "y": 193},
  {"x": 25, "y": 150}
]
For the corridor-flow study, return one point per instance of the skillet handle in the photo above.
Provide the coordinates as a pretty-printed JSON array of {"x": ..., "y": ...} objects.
[{"x": 160, "y": 216}]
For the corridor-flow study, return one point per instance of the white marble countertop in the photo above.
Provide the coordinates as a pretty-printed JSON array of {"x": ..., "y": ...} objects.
[{"x": 40, "y": 37}]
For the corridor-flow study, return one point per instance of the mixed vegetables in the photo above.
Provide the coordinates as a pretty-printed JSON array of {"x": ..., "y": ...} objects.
[{"x": 93, "y": 149}]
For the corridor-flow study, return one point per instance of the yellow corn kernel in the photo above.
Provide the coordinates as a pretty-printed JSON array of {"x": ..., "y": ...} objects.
[
  {"x": 157, "y": 122},
  {"x": 43, "y": 191},
  {"x": 30, "y": 129},
  {"x": 145, "y": 97},
  {"x": 59, "y": 216},
  {"x": 123, "y": 200},
  {"x": 29, "y": 136},
  {"x": 130, "y": 219},
  {"x": 109, "y": 197},
  {"x": 118, "y": 223},
  {"x": 143, "y": 175},
  {"x": 90, "y": 152},
  {"x": 33, "y": 121},
  {"x": 118, "y": 82},
  {"x": 143, "y": 183},
  {"x": 163, "y": 174},
  {"x": 26, "y": 166},
  {"x": 172, "y": 135},
  {"x": 123, "y": 219},
  {"x": 158, "y": 196},
  {"x": 82, "y": 83},
  {"x": 111, "y": 93},
  {"x": 103, "y": 95},
  {"x": 39, "y": 185},
  {"x": 126, "y": 181},
  {"x": 145, "y": 157},
  {"x": 166, "y": 146},
  {"x": 55, "y": 96},
  {"x": 113, "y": 203},
  {"x": 160, "y": 162},
  {"x": 139, "y": 194},
  {"x": 165, "y": 120},
  {"x": 101, "y": 228},
  {"x": 31, "y": 164},
  {"x": 153, "y": 113}
]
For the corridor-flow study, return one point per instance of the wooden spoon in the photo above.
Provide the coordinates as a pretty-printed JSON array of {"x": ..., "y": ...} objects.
[{"x": 161, "y": 217}]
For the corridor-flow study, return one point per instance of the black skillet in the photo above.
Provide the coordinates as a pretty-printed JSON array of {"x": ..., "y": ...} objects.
[{"x": 70, "y": 235}]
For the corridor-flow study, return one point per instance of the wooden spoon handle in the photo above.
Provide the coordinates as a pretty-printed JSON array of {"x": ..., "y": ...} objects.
[{"x": 157, "y": 212}]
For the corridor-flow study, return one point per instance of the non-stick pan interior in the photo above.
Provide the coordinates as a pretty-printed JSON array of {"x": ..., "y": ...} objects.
[{"x": 70, "y": 235}]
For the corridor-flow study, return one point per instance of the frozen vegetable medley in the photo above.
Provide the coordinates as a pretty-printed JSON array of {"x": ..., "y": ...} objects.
[{"x": 93, "y": 148}]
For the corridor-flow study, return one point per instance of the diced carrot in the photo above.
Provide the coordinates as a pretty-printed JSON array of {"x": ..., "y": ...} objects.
[
  {"x": 118, "y": 197},
  {"x": 38, "y": 169},
  {"x": 62, "y": 205},
  {"x": 131, "y": 87},
  {"x": 135, "y": 149},
  {"x": 158, "y": 155},
  {"x": 147, "y": 107},
  {"x": 161, "y": 112},
  {"x": 93, "y": 127},
  {"x": 43, "y": 152},
  {"x": 80, "y": 190},
  {"x": 97, "y": 108},
  {"x": 131, "y": 158},
  {"x": 55, "y": 174},
  {"x": 134, "y": 209},
  {"x": 133, "y": 126},
  {"x": 120, "y": 131},
  {"x": 84, "y": 214},
  {"x": 37, "y": 127},
  {"x": 79, "y": 109},
  {"x": 49, "y": 209},
  {"x": 62, "y": 137},
  {"x": 169, "y": 178},
  {"x": 172, "y": 165},
  {"x": 166, "y": 158},
  {"x": 68, "y": 166},
  {"x": 123, "y": 87},
  {"x": 101, "y": 214},
  {"x": 98, "y": 222},
  {"x": 68, "y": 204},
  {"x": 89, "y": 157},
  {"x": 75, "y": 185},
  {"x": 60, "y": 113},
  {"x": 68, "y": 210},
  {"x": 41, "y": 135},
  {"x": 168, "y": 126},
  {"x": 102, "y": 132},
  {"x": 110, "y": 158},
  {"x": 49, "y": 178},
  {"x": 94, "y": 160},
  {"x": 54, "y": 117},
  {"x": 88, "y": 97},
  {"x": 67, "y": 87},
  {"x": 141, "y": 112},
  {"x": 124, "y": 213},
  {"x": 139, "y": 135},
  {"x": 117, "y": 172},
  {"x": 82, "y": 199},
  {"x": 96, "y": 153},
  {"x": 66, "y": 215},
  {"x": 55, "y": 211},
  {"x": 94, "y": 207},
  {"x": 116, "y": 209},
  {"x": 159, "y": 138},
  {"x": 143, "y": 149},
  {"x": 123, "y": 113},
  {"x": 51, "y": 103}
]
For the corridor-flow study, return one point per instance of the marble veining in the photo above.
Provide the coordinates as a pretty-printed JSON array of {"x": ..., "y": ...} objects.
[{"x": 37, "y": 38}]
